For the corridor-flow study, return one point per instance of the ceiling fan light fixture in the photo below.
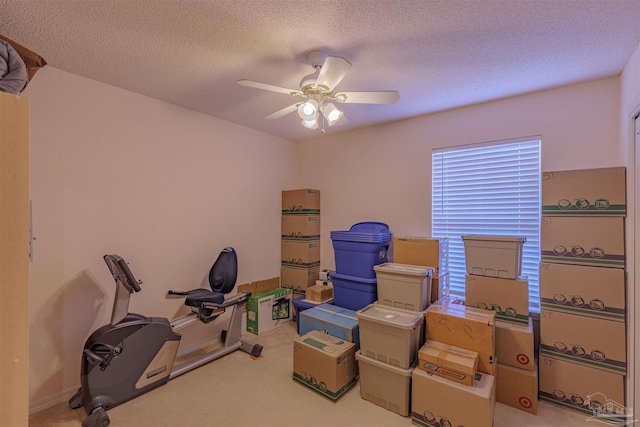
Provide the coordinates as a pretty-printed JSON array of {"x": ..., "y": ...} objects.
[
  {"x": 331, "y": 113},
  {"x": 308, "y": 110},
  {"x": 310, "y": 124}
]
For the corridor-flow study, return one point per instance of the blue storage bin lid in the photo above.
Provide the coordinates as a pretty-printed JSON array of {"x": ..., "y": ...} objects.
[
  {"x": 370, "y": 227},
  {"x": 367, "y": 232},
  {"x": 361, "y": 280}
]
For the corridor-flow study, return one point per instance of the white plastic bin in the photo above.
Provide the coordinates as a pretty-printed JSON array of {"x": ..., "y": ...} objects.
[
  {"x": 390, "y": 335},
  {"x": 404, "y": 286},
  {"x": 385, "y": 385},
  {"x": 494, "y": 256}
]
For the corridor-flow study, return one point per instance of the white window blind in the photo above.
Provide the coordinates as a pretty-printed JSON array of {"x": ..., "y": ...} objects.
[{"x": 490, "y": 189}]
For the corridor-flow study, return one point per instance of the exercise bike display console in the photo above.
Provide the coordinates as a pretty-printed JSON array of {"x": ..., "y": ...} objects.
[{"x": 135, "y": 354}]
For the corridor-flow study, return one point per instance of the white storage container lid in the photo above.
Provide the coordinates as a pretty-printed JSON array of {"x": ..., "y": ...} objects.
[
  {"x": 396, "y": 317},
  {"x": 411, "y": 270},
  {"x": 518, "y": 239}
]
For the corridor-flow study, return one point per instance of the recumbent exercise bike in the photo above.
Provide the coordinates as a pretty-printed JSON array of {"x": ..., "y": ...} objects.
[{"x": 135, "y": 354}]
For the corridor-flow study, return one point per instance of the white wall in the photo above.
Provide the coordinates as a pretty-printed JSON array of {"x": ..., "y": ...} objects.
[
  {"x": 384, "y": 173},
  {"x": 162, "y": 186}
]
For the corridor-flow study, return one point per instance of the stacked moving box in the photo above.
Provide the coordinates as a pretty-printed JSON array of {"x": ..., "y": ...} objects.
[
  {"x": 582, "y": 291},
  {"x": 300, "y": 266},
  {"x": 454, "y": 383},
  {"x": 494, "y": 282}
]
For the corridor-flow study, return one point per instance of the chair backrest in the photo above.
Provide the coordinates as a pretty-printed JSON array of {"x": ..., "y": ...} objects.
[{"x": 224, "y": 272}]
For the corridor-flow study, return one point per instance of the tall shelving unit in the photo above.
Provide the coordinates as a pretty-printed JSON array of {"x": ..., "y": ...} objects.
[{"x": 14, "y": 260}]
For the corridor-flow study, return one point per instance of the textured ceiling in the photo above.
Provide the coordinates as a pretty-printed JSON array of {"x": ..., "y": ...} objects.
[{"x": 437, "y": 54}]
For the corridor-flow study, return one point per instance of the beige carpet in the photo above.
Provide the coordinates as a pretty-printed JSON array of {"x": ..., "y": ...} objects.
[{"x": 238, "y": 390}]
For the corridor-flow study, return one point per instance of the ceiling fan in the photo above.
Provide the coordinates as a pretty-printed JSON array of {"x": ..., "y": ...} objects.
[{"x": 318, "y": 89}]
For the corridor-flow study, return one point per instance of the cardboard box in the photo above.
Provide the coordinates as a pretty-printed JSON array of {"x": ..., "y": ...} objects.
[
  {"x": 425, "y": 251},
  {"x": 300, "y": 253},
  {"x": 440, "y": 287},
  {"x": 319, "y": 293},
  {"x": 517, "y": 388},
  {"x": 494, "y": 256},
  {"x": 436, "y": 401},
  {"x": 337, "y": 321},
  {"x": 587, "y": 291},
  {"x": 466, "y": 327},
  {"x": 597, "y": 394},
  {"x": 590, "y": 241},
  {"x": 305, "y": 200},
  {"x": 508, "y": 298},
  {"x": 515, "y": 345},
  {"x": 260, "y": 286},
  {"x": 447, "y": 361},
  {"x": 385, "y": 385},
  {"x": 269, "y": 310},
  {"x": 299, "y": 278},
  {"x": 324, "y": 364},
  {"x": 584, "y": 192},
  {"x": 300, "y": 226},
  {"x": 596, "y": 343}
]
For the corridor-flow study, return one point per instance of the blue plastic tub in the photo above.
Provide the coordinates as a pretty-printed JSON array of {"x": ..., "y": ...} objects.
[
  {"x": 352, "y": 292},
  {"x": 359, "y": 249},
  {"x": 301, "y": 303}
]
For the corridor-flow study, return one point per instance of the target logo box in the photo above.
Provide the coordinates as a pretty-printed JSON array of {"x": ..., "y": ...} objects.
[
  {"x": 595, "y": 343},
  {"x": 515, "y": 345},
  {"x": 517, "y": 388}
]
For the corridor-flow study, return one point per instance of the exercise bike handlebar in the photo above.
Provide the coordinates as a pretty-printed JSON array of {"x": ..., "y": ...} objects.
[{"x": 121, "y": 273}]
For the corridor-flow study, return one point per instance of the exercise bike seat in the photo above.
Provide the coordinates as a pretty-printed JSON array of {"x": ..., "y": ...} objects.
[{"x": 222, "y": 280}]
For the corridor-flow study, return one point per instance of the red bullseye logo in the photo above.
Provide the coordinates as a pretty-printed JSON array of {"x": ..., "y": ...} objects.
[
  {"x": 525, "y": 402},
  {"x": 523, "y": 359}
]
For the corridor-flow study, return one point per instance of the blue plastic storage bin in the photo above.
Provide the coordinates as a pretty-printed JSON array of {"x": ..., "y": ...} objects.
[
  {"x": 357, "y": 250},
  {"x": 352, "y": 292},
  {"x": 301, "y": 303}
]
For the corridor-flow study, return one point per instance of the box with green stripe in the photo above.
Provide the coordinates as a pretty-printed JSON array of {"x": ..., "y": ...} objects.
[
  {"x": 588, "y": 241},
  {"x": 584, "y": 192},
  {"x": 588, "y": 291},
  {"x": 324, "y": 364},
  {"x": 595, "y": 343},
  {"x": 596, "y": 394},
  {"x": 509, "y": 298}
]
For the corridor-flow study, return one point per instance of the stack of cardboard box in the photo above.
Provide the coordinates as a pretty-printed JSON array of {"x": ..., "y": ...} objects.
[
  {"x": 454, "y": 382},
  {"x": 300, "y": 260},
  {"x": 508, "y": 296},
  {"x": 582, "y": 291},
  {"x": 426, "y": 251}
]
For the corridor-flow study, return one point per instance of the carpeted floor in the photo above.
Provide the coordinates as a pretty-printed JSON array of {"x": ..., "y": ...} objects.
[{"x": 238, "y": 390}]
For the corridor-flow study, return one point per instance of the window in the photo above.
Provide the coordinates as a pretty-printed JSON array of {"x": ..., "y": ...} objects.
[{"x": 492, "y": 189}]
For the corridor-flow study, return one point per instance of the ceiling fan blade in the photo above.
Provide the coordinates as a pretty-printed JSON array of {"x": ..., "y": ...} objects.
[
  {"x": 379, "y": 97},
  {"x": 266, "y": 86},
  {"x": 282, "y": 112},
  {"x": 333, "y": 71}
]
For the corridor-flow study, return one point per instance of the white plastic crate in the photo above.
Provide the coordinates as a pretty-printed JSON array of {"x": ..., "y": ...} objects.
[
  {"x": 494, "y": 256},
  {"x": 404, "y": 286}
]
